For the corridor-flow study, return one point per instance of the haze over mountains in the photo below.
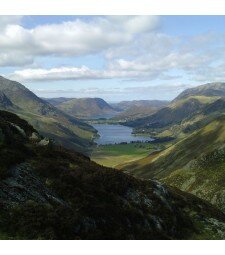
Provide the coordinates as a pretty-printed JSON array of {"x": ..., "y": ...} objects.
[
  {"x": 125, "y": 105},
  {"x": 85, "y": 108},
  {"x": 135, "y": 109}
]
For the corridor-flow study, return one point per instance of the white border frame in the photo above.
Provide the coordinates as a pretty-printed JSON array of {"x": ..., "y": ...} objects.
[
  {"x": 112, "y": 7},
  {"x": 115, "y": 7}
]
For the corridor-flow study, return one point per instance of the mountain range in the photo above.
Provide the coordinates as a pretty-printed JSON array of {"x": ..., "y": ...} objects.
[
  {"x": 125, "y": 105},
  {"x": 186, "y": 113},
  {"x": 131, "y": 110},
  {"x": 94, "y": 108}
]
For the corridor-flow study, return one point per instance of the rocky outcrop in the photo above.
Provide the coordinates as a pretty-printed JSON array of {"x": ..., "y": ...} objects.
[{"x": 22, "y": 185}]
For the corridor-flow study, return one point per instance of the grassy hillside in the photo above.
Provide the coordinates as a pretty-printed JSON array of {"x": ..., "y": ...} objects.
[
  {"x": 180, "y": 118},
  {"x": 175, "y": 113},
  {"x": 194, "y": 164},
  {"x": 45, "y": 117},
  {"x": 48, "y": 192},
  {"x": 87, "y": 108},
  {"x": 187, "y": 112}
]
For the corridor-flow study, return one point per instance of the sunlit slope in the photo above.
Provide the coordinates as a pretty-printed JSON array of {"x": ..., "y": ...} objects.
[
  {"x": 195, "y": 164},
  {"x": 184, "y": 114},
  {"x": 174, "y": 113},
  {"x": 113, "y": 155}
]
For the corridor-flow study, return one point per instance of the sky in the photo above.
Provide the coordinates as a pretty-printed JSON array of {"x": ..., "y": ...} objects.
[{"x": 113, "y": 57}]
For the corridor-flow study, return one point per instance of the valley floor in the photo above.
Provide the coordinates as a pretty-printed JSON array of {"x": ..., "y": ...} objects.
[{"x": 116, "y": 154}]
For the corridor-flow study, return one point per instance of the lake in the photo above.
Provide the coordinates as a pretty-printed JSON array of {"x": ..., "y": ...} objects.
[{"x": 111, "y": 134}]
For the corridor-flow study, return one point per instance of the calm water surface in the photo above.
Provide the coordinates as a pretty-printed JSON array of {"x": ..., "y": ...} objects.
[{"x": 111, "y": 134}]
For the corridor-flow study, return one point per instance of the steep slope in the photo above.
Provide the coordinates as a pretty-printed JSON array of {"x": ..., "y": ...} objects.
[
  {"x": 49, "y": 120},
  {"x": 209, "y": 89},
  {"x": 5, "y": 102},
  {"x": 87, "y": 108},
  {"x": 195, "y": 164},
  {"x": 217, "y": 106},
  {"x": 48, "y": 192}
]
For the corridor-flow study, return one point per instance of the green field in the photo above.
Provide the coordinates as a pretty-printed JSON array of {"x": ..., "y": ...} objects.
[{"x": 113, "y": 155}]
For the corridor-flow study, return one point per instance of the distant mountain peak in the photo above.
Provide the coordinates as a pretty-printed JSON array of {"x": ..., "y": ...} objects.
[{"x": 87, "y": 107}]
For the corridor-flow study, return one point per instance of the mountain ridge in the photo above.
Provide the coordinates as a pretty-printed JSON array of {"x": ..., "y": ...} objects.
[
  {"x": 46, "y": 118},
  {"x": 208, "y": 89}
]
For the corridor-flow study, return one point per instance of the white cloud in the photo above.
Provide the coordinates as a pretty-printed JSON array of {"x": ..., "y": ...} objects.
[
  {"x": 9, "y": 20},
  {"x": 72, "y": 38},
  {"x": 158, "y": 56},
  {"x": 85, "y": 73},
  {"x": 65, "y": 73},
  {"x": 131, "y": 46},
  {"x": 210, "y": 73},
  {"x": 135, "y": 24},
  {"x": 61, "y": 73}
]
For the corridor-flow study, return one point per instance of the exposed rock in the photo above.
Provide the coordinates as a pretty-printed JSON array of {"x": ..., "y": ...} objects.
[
  {"x": 44, "y": 142},
  {"x": 22, "y": 185},
  {"x": 35, "y": 137}
]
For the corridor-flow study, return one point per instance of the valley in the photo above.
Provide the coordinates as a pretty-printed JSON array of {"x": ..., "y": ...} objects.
[
  {"x": 116, "y": 144},
  {"x": 112, "y": 127},
  {"x": 113, "y": 155},
  {"x": 178, "y": 144}
]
